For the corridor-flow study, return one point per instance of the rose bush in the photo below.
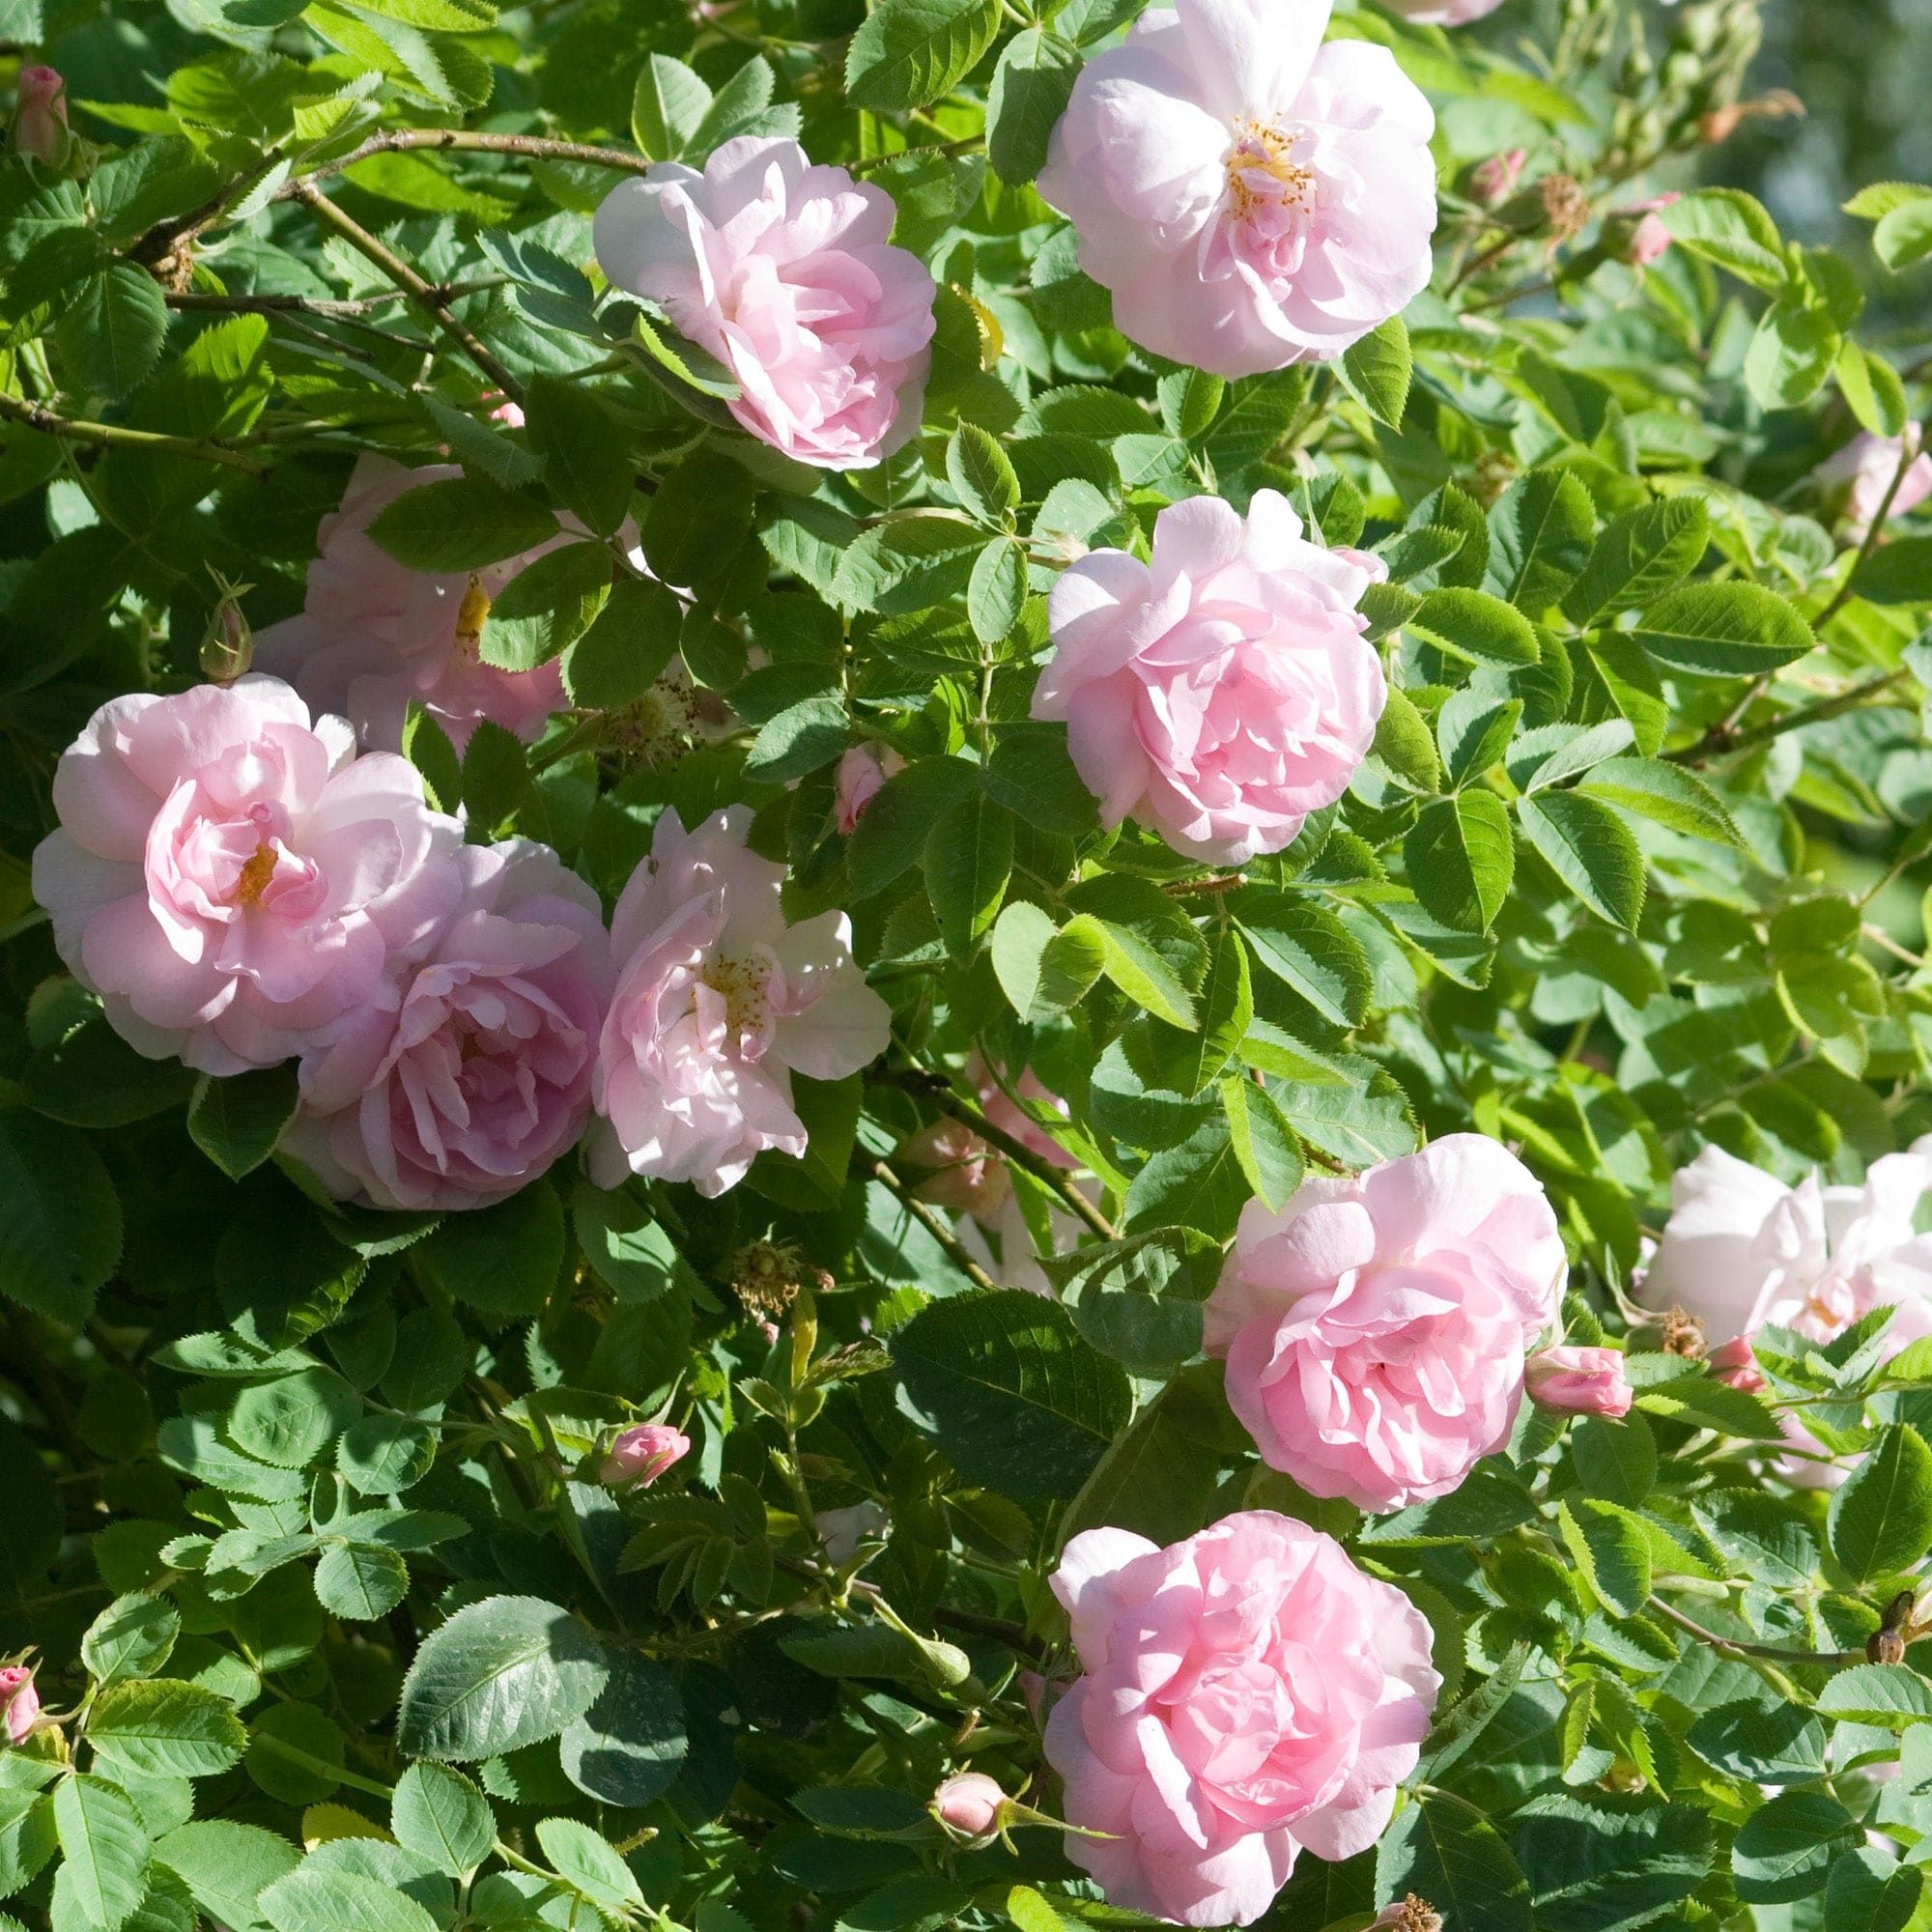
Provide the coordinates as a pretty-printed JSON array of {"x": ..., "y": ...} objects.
[{"x": 964, "y": 965}]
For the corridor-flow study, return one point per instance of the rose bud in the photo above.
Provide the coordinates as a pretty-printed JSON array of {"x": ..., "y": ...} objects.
[
  {"x": 1495, "y": 180},
  {"x": 228, "y": 644},
  {"x": 1734, "y": 1363},
  {"x": 39, "y": 121},
  {"x": 1579, "y": 1381},
  {"x": 19, "y": 1701},
  {"x": 968, "y": 1803},
  {"x": 639, "y": 1455},
  {"x": 861, "y": 771},
  {"x": 1649, "y": 241}
]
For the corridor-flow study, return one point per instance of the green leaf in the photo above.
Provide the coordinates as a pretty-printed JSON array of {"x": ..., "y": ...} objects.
[
  {"x": 1871, "y": 385},
  {"x": 1540, "y": 536},
  {"x": 1764, "y": 1744},
  {"x": 1763, "y": 1538},
  {"x": 1791, "y": 355},
  {"x": 504, "y": 1673},
  {"x": 1785, "y": 1849},
  {"x": 1590, "y": 849},
  {"x": 442, "y": 1818},
  {"x": 1135, "y": 965},
  {"x": 1377, "y": 370},
  {"x": 1003, "y": 1383},
  {"x": 1903, "y": 237},
  {"x": 1723, "y": 630},
  {"x": 161, "y": 1728},
  {"x": 1880, "y": 1519},
  {"x": 228, "y": 1866},
  {"x": 1442, "y": 1849},
  {"x": 587, "y": 458},
  {"x": 1611, "y": 1550},
  {"x": 1640, "y": 554},
  {"x": 60, "y": 1219},
  {"x": 625, "y": 651},
  {"x": 315, "y": 1898},
  {"x": 427, "y": 747},
  {"x": 1266, "y": 1146},
  {"x": 290, "y": 1421},
  {"x": 894, "y": 831},
  {"x": 1031, "y": 88},
  {"x": 1870, "y": 1892},
  {"x": 1188, "y": 1058},
  {"x": 969, "y": 856},
  {"x": 588, "y": 1865},
  {"x": 105, "y": 1873},
  {"x": 1307, "y": 947},
  {"x": 1032, "y": 774},
  {"x": 981, "y": 475},
  {"x": 131, "y": 1637},
  {"x": 546, "y": 607},
  {"x": 996, "y": 592},
  {"x": 236, "y": 1122},
  {"x": 360, "y": 1582},
  {"x": 110, "y": 337},
  {"x": 504, "y": 1260},
  {"x": 1474, "y": 625},
  {"x": 460, "y": 524},
  {"x": 1020, "y": 938},
  {"x": 1733, "y": 230},
  {"x": 909, "y": 52},
  {"x": 800, "y": 739},
  {"x": 1891, "y": 1696},
  {"x": 1404, "y": 743},
  {"x": 1666, "y": 793},
  {"x": 666, "y": 106},
  {"x": 628, "y": 1748},
  {"x": 1460, "y": 858},
  {"x": 1899, "y": 572}
]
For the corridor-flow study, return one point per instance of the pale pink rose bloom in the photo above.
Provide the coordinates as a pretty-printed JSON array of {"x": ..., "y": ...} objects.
[
  {"x": 969, "y": 1802},
  {"x": 1252, "y": 197},
  {"x": 1579, "y": 1382},
  {"x": 1650, "y": 242},
  {"x": 1862, "y": 473},
  {"x": 230, "y": 877},
  {"x": 40, "y": 117},
  {"x": 862, "y": 772},
  {"x": 1734, "y": 1363},
  {"x": 841, "y": 1531},
  {"x": 719, "y": 1003},
  {"x": 1445, "y": 12},
  {"x": 1374, "y": 1327},
  {"x": 784, "y": 271},
  {"x": 1495, "y": 180},
  {"x": 373, "y": 633},
  {"x": 1223, "y": 692},
  {"x": 1742, "y": 1249},
  {"x": 639, "y": 1455},
  {"x": 1247, "y": 1693},
  {"x": 20, "y": 1702},
  {"x": 473, "y": 1076},
  {"x": 509, "y": 413}
]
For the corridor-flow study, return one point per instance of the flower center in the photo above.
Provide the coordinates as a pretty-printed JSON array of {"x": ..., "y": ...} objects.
[
  {"x": 742, "y": 984},
  {"x": 471, "y": 616},
  {"x": 255, "y": 876},
  {"x": 1261, "y": 176}
]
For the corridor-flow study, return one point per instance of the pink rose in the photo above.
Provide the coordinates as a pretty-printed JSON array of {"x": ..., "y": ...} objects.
[
  {"x": 1734, "y": 1363},
  {"x": 861, "y": 771},
  {"x": 1247, "y": 1692},
  {"x": 1374, "y": 1327},
  {"x": 1445, "y": 12},
  {"x": 784, "y": 272},
  {"x": 20, "y": 1702},
  {"x": 373, "y": 633},
  {"x": 1222, "y": 694},
  {"x": 230, "y": 877},
  {"x": 39, "y": 116},
  {"x": 1579, "y": 1382},
  {"x": 719, "y": 1002},
  {"x": 1495, "y": 180},
  {"x": 509, "y": 413},
  {"x": 1252, "y": 197},
  {"x": 639, "y": 1455},
  {"x": 473, "y": 1074},
  {"x": 1649, "y": 241},
  {"x": 969, "y": 1802},
  {"x": 1858, "y": 476}
]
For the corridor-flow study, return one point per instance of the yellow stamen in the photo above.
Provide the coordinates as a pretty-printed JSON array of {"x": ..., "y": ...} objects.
[
  {"x": 743, "y": 986},
  {"x": 1261, "y": 148},
  {"x": 470, "y": 617},
  {"x": 255, "y": 876}
]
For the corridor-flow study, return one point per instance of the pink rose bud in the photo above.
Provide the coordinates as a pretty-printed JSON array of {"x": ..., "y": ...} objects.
[
  {"x": 228, "y": 644},
  {"x": 1251, "y": 197},
  {"x": 968, "y": 1804},
  {"x": 39, "y": 121},
  {"x": 19, "y": 1701},
  {"x": 1495, "y": 180},
  {"x": 861, "y": 771},
  {"x": 1188, "y": 684},
  {"x": 1735, "y": 1364},
  {"x": 639, "y": 1455},
  {"x": 510, "y": 415},
  {"x": 1650, "y": 242},
  {"x": 1579, "y": 1381}
]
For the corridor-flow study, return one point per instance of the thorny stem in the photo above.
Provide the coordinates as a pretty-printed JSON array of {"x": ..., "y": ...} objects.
[
  {"x": 469, "y": 140},
  {"x": 327, "y": 308},
  {"x": 1830, "y": 1659},
  {"x": 433, "y": 302},
  {"x": 933, "y": 1224},
  {"x": 1722, "y": 740},
  {"x": 116, "y": 436},
  {"x": 1875, "y": 530}
]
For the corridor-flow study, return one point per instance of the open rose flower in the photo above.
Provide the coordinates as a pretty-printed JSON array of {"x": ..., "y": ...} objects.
[
  {"x": 1246, "y": 1694},
  {"x": 786, "y": 273},
  {"x": 1857, "y": 477},
  {"x": 473, "y": 1074},
  {"x": 1375, "y": 1328},
  {"x": 230, "y": 877},
  {"x": 719, "y": 1003},
  {"x": 1252, "y": 197},
  {"x": 1222, "y": 693},
  {"x": 373, "y": 633}
]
